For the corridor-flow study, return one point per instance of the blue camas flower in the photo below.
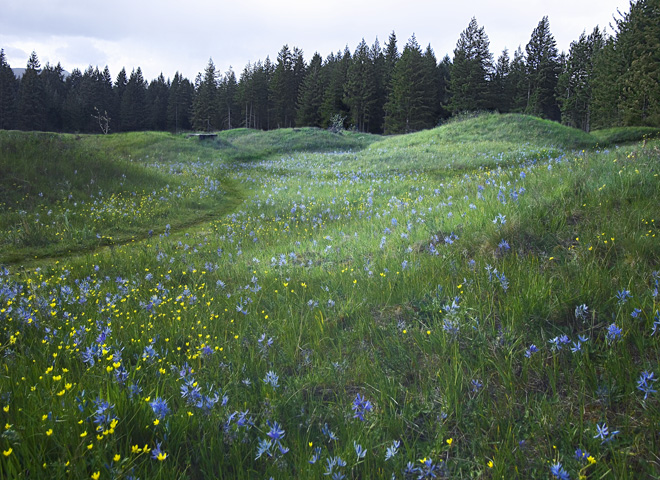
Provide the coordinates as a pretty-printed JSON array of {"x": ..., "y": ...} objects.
[{"x": 360, "y": 407}]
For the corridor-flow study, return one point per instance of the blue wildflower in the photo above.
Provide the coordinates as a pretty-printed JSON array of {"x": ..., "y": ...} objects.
[
  {"x": 656, "y": 323},
  {"x": 315, "y": 456},
  {"x": 264, "y": 448},
  {"x": 531, "y": 350},
  {"x": 644, "y": 383},
  {"x": 577, "y": 347},
  {"x": 159, "y": 407},
  {"x": 476, "y": 385},
  {"x": 581, "y": 312},
  {"x": 558, "y": 471},
  {"x": 603, "y": 432},
  {"x": 392, "y": 450},
  {"x": 359, "y": 451},
  {"x": 503, "y": 246},
  {"x": 581, "y": 455},
  {"x": 325, "y": 430},
  {"x": 360, "y": 407},
  {"x": 271, "y": 379},
  {"x": 613, "y": 333},
  {"x": 623, "y": 296},
  {"x": 157, "y": 453},
  {"x": 276, "y": 432}
]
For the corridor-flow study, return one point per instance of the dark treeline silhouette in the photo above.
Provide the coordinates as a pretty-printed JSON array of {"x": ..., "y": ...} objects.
[{"x": 603, "y": 81}]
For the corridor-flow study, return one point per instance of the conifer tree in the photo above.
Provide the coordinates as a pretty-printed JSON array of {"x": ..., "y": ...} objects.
[
  {"x": 8, "y": 92},
  {"x": 390, "y": 57},
  {"x": 205, "y": 102},
  {"x": 517, "y": 82},
  {"x": 432, "y": 81},
  {"x": 409, "y": 107},
  {"x": 133, "y": 107},
  {"x": 360, "y": 87},
  {"x": 638, "y": 42},
  {"x": 336, "y": 68},
  {"x": 543, "y": 69},
  {"x": 74, "y": 119},
  {"x": 501, "y": 86},
  {"x": 157, "y": 99},
  {"x": 119, "y": 89},
  {"x": 310, "y": 97},
  {"x": 377, "y": 117},
  {"x": 471, "y": 71},
  {"x": 253, "y": 94},
  {"x": 574, "y": 86},
  {"x": 179, "y": 104},
  {"x": 31, "y": 111},
  {"x": 283, "y": 89},
  {"x": 229, "y": 100},
  {"x": 54, "y": 95}
]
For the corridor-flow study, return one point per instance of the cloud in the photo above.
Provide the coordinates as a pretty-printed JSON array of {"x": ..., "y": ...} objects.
[{"x": 170, "y": 36}]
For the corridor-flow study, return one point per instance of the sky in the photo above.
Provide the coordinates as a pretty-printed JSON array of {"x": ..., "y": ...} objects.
[{"x": 169, "y": 36}]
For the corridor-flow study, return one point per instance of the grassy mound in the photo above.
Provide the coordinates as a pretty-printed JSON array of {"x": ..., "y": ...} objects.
[
  {"x": 63, "y": 193},
  {"x": 619, "y": 135}
]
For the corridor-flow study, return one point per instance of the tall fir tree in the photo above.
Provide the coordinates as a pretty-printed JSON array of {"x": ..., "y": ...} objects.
[
  {"x": 390, "y": 57},
  {"x": 119, "y": 89},
  {"x": 638, "y": 41},
  {"x": 471, "y": 71},
  {"x": 408, "y": 107},
  {"x": 228, "y": 97},
  {"x": 133, "y": 108},
  {"x": 432, "y": 83},
  {"x": 54, "y": 95},
  {"x": 360, "y": 87},
  {"x": 31, "y": 108},
  {"x": 310, "y": 96},
  {"x": 543, "y": 68},
  {"x": 574, "y": 86},
  {"x": 517, "y": 82},
  {"x": 501, "y": 90},
  {"x": 283, "y": 89},
  {"x": 73, "y": 109},
  {"x": 377, "y": 119},
  {"x": 8, "y": 93},
  {"x": 205, "y": 102},
  {"x": 333, "y": 105},
  {"x": 157, "y": 98},
  {"x": 253, "y": 94},
  {"x": 179, "y": 104}
]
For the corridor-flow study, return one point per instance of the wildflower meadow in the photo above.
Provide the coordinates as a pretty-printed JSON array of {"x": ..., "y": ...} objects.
[{"x": 479, "y": 300}]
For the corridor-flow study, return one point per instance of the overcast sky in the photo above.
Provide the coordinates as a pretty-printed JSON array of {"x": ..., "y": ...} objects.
[{"x": 168, "y": 36}]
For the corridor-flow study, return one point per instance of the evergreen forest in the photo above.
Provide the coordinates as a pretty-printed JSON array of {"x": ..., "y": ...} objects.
[{"x": 607, "y": 79}]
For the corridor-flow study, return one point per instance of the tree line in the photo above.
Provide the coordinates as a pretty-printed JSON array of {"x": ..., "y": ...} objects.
[{"x": 604, "y": 80}]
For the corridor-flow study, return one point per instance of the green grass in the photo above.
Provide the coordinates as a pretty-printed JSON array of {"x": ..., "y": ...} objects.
[
  {"x": 353, "y": 265},
  {"x": 619, "y": 135}
]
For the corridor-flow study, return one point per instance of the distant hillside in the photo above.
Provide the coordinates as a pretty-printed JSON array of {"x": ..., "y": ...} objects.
[{"x": 18, "y": 72}]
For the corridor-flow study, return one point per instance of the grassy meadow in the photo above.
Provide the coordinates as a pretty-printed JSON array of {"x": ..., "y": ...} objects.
[{"x": 479, "y": 300}]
